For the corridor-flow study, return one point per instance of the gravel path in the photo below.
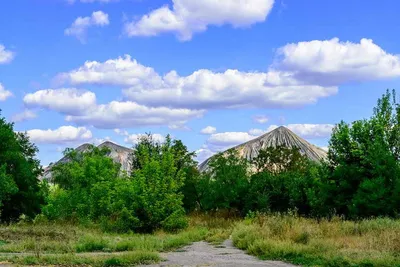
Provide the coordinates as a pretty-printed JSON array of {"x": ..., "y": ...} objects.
[
  {"x": 197, "y": 254},
  {"x": 204, "y": 254}
]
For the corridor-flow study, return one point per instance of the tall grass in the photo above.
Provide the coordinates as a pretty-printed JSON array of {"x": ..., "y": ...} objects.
[{"x": 309, "y": 242}]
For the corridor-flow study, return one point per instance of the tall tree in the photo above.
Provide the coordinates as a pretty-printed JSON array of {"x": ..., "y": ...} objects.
[
  {"x": 157, "y": 182},
  {"x": 19, "y": 172},
  {"x": 364, "y": 160}
]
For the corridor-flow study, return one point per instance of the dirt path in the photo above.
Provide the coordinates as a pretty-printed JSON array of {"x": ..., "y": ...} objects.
[
  {"x": 204, "y": 254},
  {"x": 197, "y": 254}
]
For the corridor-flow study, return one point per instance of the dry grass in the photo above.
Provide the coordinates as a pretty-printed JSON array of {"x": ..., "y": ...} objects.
[
  {"x": 374, "y": 242},
  {"x": 307, "y": 242}
]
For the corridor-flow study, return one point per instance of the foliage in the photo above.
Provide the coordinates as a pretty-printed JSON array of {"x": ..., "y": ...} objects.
[
  {"x": 279, "y": 159},
  {"x": 364, "y": 158},
  {"x": 84, "y": 186},
  {"x": 20, "y": 189},
  {"x": 90, "y": 189},
  {"x": 226, "y": 183},
  {"x": 157, "y": 179},
  {"x": 281, "y": 182}
]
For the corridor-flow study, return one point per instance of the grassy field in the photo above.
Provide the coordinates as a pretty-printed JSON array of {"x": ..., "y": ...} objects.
[
  {"x": 292, "y": 239},
  {"x": 307, "y": 242},
  {"x": 56, "y": 243}
]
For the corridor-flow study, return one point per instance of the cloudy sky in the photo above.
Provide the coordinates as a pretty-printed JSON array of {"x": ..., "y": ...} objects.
[{"x": 212, "y": 73}]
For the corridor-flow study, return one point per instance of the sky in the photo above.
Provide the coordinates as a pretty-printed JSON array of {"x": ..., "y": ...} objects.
[{"x": 211, "y": 73}]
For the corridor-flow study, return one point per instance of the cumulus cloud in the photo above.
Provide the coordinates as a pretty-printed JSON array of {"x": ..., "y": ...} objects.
[
  {"x": 66, "y": 100},
  {"x": 81, "y": 108},
  {"x": 187, "y": 17},
  {"x": 4, "y": 94},
  {"x": 121, "y": 132},
  {"x": 64, "y": 134},
  {"x": 201, "y": 89},
  {"x": 203, "y": 153},
  {"x": 208, "y": 130},
  {"x": 130, "y": 114},
  {"x": 80, "y": 26},
  {"x": 257, "y": 132},
  {"x": 24, "y": 115},
  {"x": 336, "y": 62},
  {"x": 229, "y": 138},
  {"x": 135, "y": 138},
  {"x": 179, "y": 126},
  {"x": 302, "y": 74},
  {"x": 6, "y": 56},
  {"x": 308, "y": 131},
  {"x": 261, "y": 119}
]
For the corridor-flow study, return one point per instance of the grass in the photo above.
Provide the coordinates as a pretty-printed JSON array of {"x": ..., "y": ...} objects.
[
  {"x": 58, "y": 243},
  {"x": 307, "y": 242},
  {"x": 297, "y": 240},
  {"x": 126, "y": 259}
]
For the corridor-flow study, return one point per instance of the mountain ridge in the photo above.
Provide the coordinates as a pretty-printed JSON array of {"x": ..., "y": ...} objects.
[
  {"x": 118, "y": 153},
  {"x": 277, "y": 137}
]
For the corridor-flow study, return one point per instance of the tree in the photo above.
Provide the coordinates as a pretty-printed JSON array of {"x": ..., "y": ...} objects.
[
  {"x": 85, "y": 185},
  {"x": 226, "y": 183},
  {"x": 157, "y": 179},
  {"x": 279, "y": 159},
  {"x": 364, "y": 163},
  {"x": 21, "y": 191},
  {"x": 281, "y": 182}
]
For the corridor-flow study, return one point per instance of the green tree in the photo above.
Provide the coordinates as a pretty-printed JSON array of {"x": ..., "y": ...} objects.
[
  {"x": 279, "y": 159},
  {"x": 157, "y": 182},
  {"x": 21, "y": 191},
  {"x": 364, "y": 163},
  {"x": 85, "y": 184},
  {"x": 281, "y": 182},
  {"x": 226, "y": 182}
]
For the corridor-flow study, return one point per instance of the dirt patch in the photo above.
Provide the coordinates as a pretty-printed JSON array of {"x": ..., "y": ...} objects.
[{"x": 204, "y": 254}]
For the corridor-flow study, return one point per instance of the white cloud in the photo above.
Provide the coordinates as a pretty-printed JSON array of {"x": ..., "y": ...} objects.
[
  {"x": 261, "y": 119},
  {"x": 121, "y": 132},
  {"x": 24, "y": 115},
  {"x": 335, "y": 62},
  {"x": 201, "y": 89},
  {"x": 98, "y": 141},
  {"x": 80, "y": 26},
  {"x": 179, "y": 126},
  {"x": 64, "y": 134},
  {"x": 66, "y": 100},
  {"x": 308, "y": 130},
  {"x": 4, "y": 94},
  {"x": 203, "y": 153},
  {"x": 135, "y": 138},
  {"x": 121, "y": 71},
  {"x": 257, "y": 132},
  {"x": 229, "y": 138},
  {"x": 208, "y": 130},
  {"x": 325, "y": 148},
  {"x": 6, "y": 56},
  {"x": 188, "y": 17},
  {"x": 302, "y": 74},
  {"x": 130, "y": 114}
]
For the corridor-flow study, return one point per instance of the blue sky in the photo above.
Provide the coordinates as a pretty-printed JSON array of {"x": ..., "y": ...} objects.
[{"x": 212, "y": 73}]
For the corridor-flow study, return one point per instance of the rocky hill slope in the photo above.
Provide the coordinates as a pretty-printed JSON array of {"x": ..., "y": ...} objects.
[
  {"x": 118, "y": 153},
  {"x": 278, "y": 137}
]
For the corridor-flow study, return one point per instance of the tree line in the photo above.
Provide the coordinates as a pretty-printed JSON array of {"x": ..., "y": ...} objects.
[{"x": 360, "y": 178}]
